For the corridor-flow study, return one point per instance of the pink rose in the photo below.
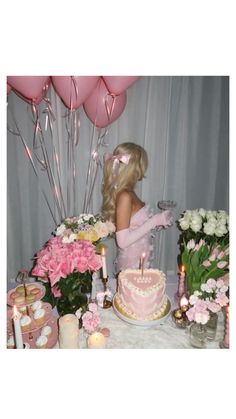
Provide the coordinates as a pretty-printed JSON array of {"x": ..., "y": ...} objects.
[
  {"x": 222, "y": 299},
  {"x": 191, "y": 314},
  {"x": 93, "y": 307},
  {"x": 202, "y": 316},
  {"x": 56, "y": 292},
  {"x": 214, "y": 307}
]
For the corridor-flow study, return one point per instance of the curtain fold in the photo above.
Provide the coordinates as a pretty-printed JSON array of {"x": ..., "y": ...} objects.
[{"x": 182, "y": 122}]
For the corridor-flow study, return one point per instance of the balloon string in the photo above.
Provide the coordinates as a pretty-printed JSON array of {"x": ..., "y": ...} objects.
[
  {"x": 39, "y": 134},
  {"x": 85, "y": 206},
  {"x": 109, "y": 111},
  {"x": 51, "y": 119},
  {"x": 88, "y": 176},
  {"x": 29, "y": 154}
]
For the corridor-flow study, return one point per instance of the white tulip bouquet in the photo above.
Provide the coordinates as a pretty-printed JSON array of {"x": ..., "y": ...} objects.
[{"x": 204, "y": 245}]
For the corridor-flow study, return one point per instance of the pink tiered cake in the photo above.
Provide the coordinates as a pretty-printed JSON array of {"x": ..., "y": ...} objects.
[{"x": 142, "y": 297}]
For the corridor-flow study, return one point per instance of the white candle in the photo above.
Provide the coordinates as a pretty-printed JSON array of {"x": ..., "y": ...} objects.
[
  {"x": 17, "y": 329},
  {"x": 69, "y": 332},
  {"x": 104, "y": 264},
  {"x": 181, "y": 288},
  {"x": 226, "y": 339},
  {"x": 96, "y": 341}
]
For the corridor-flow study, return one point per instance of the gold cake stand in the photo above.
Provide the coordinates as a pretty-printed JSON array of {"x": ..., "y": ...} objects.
[{"x": 143, "y": 323}]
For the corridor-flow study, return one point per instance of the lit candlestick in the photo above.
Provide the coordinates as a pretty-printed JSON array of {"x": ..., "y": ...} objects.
[
  {"x": 104, "y": 264},
  {"x": 142, "y": 262},
  {"x": 96, "y": 341},
  {"x": 181, "y": 287},
  {"x": 17, "y": 328},
  {"x": 226, "y": 338}
]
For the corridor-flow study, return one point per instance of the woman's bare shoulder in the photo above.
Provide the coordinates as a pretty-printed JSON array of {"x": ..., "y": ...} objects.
[{"x": 124, "y": 197}]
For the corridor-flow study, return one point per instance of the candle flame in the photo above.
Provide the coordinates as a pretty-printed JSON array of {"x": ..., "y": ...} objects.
[
  {"x": 143, "y": 255},
  {"x": 182, "y": 269},
  {"x": 183, "y": 301}
]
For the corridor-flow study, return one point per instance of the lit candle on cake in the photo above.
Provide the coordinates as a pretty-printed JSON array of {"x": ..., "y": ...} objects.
[
  {"x": 96, "y": 341},
  {"x": 181, "y": 287},
  {"x": 226, "y": 338},
  {"x": 68, "y": 332},
  {"x": 142, "y": 262},
  {"x": 17, "y": 328},
  {"x": 104, "y": 264}
]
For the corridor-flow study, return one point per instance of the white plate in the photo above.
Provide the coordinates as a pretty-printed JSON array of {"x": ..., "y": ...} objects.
[{"x": 142, "y": 323}]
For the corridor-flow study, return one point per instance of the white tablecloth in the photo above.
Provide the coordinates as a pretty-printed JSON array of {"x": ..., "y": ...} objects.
[{"x": 164, "y": 335}]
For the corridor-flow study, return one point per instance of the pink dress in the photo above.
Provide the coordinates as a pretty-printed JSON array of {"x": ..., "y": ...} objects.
[{"x": 131, "y": 255}]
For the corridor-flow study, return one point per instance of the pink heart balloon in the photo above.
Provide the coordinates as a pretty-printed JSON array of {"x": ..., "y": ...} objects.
[
  {"x": 8, "y": 88},
  {"x": 37, "y": 99},
  {"x": 74, "y": 90},
  {"x": 102, "y": 108},
  {"x": 118, "y": 84},
  {"x": 31, "y": 87}
]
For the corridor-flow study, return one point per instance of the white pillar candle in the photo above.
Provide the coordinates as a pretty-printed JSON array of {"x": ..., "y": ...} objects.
[
  {"x": 69, "y": 332},
  {"x": 17, "y": 328},
  {"x": 104, "y": 264},
  {"x": 96, "y": 341}
]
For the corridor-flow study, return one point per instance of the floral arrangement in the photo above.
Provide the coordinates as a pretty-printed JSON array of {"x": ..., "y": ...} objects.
[
  {"x": 68, "y": 268},
  {"x": 202, "y": 224},
  {"x": 90, "y": 319},
  {"x": 210, "y": 299},
  {"x": 204, "y": 245},
  {"x": 85, "y": 227}
]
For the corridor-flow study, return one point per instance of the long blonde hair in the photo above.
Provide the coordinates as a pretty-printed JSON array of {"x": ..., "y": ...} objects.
[{"x": 127, "y": 177}]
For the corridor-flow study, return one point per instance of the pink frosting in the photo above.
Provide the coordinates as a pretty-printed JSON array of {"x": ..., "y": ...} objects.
[{"x": 146, "y": 295}]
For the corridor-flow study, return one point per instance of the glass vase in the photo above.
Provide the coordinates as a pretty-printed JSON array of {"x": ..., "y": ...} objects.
[
  {"x": 198, "y": 335},
  {"x": 211, "y": 326}
]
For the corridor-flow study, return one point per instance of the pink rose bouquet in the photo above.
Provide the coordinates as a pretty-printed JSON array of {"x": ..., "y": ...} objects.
[
  {"x": 91, "y": 318},
  {"x": 68, "y": 268}
]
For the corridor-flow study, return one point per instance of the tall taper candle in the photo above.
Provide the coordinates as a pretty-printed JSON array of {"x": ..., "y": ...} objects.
[
  {"x": 104, "y": 264},
  {"x": 142, "y": 262},
  {"x": 181, "y": 287},
  {"x": 226, "y": 339},
  {"x": 17, "y": 329}
]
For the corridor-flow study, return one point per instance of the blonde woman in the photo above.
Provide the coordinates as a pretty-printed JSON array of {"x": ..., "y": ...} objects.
[{"x": 134, "y": 222}]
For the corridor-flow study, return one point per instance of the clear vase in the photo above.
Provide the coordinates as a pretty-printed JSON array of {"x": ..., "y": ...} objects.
[
  {"x": 198, "y": 335},
  {"x": 211, "y": 326}
]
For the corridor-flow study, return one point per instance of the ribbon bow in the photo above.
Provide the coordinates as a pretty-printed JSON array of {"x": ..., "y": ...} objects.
[
  {"x": 117, "y": 158},
  {"x": 124, "y": 158}
]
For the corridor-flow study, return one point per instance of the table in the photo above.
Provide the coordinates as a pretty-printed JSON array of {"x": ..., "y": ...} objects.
[{"x": 164, "y": 335}]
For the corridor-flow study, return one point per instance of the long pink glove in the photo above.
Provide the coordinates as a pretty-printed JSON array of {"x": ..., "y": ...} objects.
[{"x": 127, "y": 236}]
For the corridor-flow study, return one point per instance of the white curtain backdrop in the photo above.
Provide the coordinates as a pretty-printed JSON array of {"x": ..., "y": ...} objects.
[{"x": 182, "y": 122}]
